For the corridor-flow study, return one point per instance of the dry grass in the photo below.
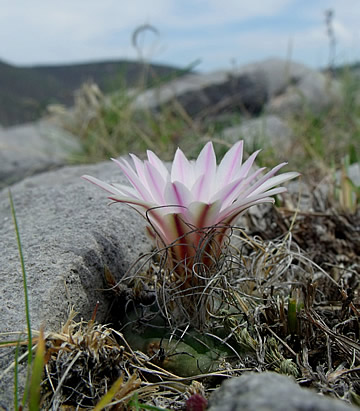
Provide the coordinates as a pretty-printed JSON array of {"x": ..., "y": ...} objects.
[
  {"x": 269, "y": 304},
  {"x": 286, "y": 302},
  {"x": 268, "y": 307}
]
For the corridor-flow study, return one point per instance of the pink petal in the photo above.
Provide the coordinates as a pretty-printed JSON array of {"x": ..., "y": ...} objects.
[
  {"x": 132, "y": 201},
  {"x": 139, "y": 166},
  {"x": 229, "y": 219},
  {"x": 155, "y": 182},
  {"x": 177, "y": 193},
  {"x": 205, "y": 172},
  {"x": 230, "y": 164},
  {"x": 240, "y": 205},
  {"x": 244, "y": 203},
  {"x": 206, "y": 162},
  {"x": 134, "y": 179},
  {"x": 126, "y": 190},
  {"x": 274, "y": 181},
  {"x": 234, "y": 189},
  {"x": 181, "y": 168},
  {"x": 199, "y": 190},
  {"x": 262, "y": 180},
  {"x": 105, "y": 186},
  {"x": 245, "y": 168},
  {"x": 158, "y": 164}
]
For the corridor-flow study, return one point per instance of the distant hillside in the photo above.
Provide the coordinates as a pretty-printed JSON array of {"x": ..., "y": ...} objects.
[{"x": 25, "y": 92}]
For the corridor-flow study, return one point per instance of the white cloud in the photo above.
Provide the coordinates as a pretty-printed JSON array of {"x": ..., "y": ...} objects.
[
  {"x": 206, "y": 13},
  {"x": 46, "y": 28},
  {"x": 217, "y": 31}
]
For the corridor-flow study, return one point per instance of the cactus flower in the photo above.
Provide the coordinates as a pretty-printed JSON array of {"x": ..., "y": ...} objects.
[{"x": 184, "y": 204}]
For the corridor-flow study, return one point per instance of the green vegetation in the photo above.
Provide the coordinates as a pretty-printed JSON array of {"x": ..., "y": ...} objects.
[
  {"x": 109, "y": 126},
  {"x": 323, "y": 140}
]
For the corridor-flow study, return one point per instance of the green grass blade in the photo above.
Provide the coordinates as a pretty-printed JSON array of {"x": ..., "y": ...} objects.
[
  {"x": 26, "y": 297},
  {"x": 292, "y": 316},
  {"x": 36, "y": 375}
]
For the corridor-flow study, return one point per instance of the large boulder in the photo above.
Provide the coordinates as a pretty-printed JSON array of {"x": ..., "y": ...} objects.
[
  {"x": 208, "y": 94},
  {"x": 274, "y": 85},
  {"x": 32, "y": 148},
  {"x": 292, "y": 87},
  {"x": 68, "y": 236}
]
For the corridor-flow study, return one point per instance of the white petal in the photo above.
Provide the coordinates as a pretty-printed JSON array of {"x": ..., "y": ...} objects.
[
  {"x": 199, "y": 190},
  {"x": 245, "y": 168},
  {"x": 134, "y": 180},
  {"x": 105, "y": 186},
  {"x": 139, "y": 166},
  {"x": 263, "y": 179},
  {"x": 230, "y": 165},
  {"x": 155, "y": 182},
  {"x": 126, "y": 190},
  {"x": 274, "y": 181},
  {"x": 205, "y": 173},
  {"x": 233, "y": 190},
  {"x": 206, "y": 163},
  {"x": 182, "y": 169},
  {"x": 240, "y": 205},
  {"x": 158, "y": 164},
  {"x": 177, "y": 193},
  {"x": 132, "y": 201},
  {"x": 229, "y": 219}
]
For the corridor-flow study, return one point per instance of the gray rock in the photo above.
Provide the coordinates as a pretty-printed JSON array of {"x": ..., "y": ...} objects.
[
  {"x": 291, "y": 86},
  {"x": 277, "y": 85},
  {"x": 206, "y": 94},
  {"x": 269, "y": 392},
  {"x": 32, "y": 148},
  {"x": 265, "y": 131},
  {"x": 277, "y": 74},
  {"x": 307, "y": 89},
  {"x": 68, "y": 234}
]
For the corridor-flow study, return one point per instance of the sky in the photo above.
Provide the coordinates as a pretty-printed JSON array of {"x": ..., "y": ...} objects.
[{"x": 220, "y": 34}]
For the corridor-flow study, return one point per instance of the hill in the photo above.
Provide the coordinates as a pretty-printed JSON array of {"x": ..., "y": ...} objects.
[{"x": 25, "y": 92}]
